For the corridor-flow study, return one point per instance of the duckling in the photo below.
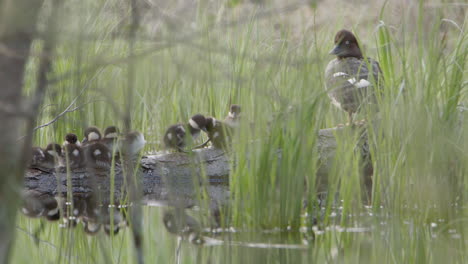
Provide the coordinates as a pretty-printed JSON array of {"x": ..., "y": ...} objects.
[
  {"x": 175, "y": 136},
  {"x": 111, "y": 134},
  {"x": 98, "y": 157},
  {"x": 219, "y": 133},
  {"x": 234, "y": 115},
  {"x": 132, "y": 143},
  {"x": 75, "y": 156},
  {"x": 37, "y": 157},
  {"x": 52, "y": 157},
  {"x": 71, "y": 138},
  {"x": 92, "y": 134}
]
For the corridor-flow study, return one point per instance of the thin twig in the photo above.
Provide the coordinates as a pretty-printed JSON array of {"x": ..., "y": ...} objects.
[
  {"x": 68, "y": 109},
  {"x": 35, "y": 237}
]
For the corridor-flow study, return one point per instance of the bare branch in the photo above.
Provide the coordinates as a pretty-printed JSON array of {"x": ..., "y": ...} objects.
[{"x": 68, "y": 109}]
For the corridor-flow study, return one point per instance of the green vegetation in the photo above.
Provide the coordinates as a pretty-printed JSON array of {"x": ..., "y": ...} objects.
[{"x": 275, "y": 71}]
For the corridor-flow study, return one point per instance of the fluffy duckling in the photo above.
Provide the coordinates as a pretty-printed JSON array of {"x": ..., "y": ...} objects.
[
  {"x": 219, "y": 133},
  {"x": 234, "y": 115},
  {"x": 74, "y": 156},
  {"x": 175, "y": 136},
  {"x": 98, "y": 157},
  {"x": 71, "y": 138},
  {"x": 132, "y": 143},
  {"x": 111, "y": 135},
  {"x": 37, "y": 157},
  {"x": 92, "y": 134},
  {"x": 52, "y": 156}
]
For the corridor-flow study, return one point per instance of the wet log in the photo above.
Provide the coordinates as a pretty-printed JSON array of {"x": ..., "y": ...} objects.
[{"x": 169, "y": 176}]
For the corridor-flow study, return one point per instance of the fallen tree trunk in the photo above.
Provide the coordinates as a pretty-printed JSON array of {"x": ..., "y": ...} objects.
[{"x": 171, "y": 176}]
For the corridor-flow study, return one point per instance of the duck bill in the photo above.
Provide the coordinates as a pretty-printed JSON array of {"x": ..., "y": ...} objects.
[{"x": 337, "y": 50}]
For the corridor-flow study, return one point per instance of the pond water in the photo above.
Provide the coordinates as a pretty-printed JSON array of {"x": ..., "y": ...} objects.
[{"x": 197, "y": 235}]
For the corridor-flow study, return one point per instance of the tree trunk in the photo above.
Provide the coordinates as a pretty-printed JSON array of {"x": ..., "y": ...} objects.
[{"x": 17, "y": 27}]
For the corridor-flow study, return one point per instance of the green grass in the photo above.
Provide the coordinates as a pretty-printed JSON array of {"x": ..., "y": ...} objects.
[{"x": 419, "y": 148}]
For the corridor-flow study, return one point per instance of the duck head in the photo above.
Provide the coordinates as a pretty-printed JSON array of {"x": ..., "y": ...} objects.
[{"x": 346, "y": 45}]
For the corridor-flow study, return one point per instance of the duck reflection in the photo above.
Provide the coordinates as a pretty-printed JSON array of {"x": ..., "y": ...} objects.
[
  {"x": 179, "y": 223},
  {"x": 82, "y": 209}
]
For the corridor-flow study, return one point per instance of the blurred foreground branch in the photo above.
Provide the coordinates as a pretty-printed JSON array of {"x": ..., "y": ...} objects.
[{"x": 17, "y": 28}]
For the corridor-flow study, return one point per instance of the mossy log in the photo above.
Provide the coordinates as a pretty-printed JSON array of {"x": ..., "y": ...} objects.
[{"x": 169, "y": 176}]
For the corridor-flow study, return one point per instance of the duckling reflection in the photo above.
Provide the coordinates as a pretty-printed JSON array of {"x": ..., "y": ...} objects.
[
  {"x": 83, "y": 209},
  {"x": 37, "y": 204}
]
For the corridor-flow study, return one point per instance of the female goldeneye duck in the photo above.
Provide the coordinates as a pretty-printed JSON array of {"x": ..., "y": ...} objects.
[
  {"x": 111, "y": 135},
  {"x": 175, "y": 136},
  {"x": 52, "y": 153},
  {"x": 98, "y": 156},
  {"x": 233, "y": 118},
  {"x": 178, "y": 222},
  {"x": 74, "y": 156},
  {"x": 350, "y": 82},
  {"x": 132, "y": 143},
  {"x": 92, "y": 134},
  {"x": 71, "y": 138}
]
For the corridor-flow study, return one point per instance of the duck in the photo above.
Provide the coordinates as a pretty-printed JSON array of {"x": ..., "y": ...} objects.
[
  {"x": 351, "y": 80},
  {"x": 175, "y": 135},
  {"x": 233, "y": 117}
]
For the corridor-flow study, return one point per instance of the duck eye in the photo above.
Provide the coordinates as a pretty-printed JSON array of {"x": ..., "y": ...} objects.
[{"x": 347, "y": 42}]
